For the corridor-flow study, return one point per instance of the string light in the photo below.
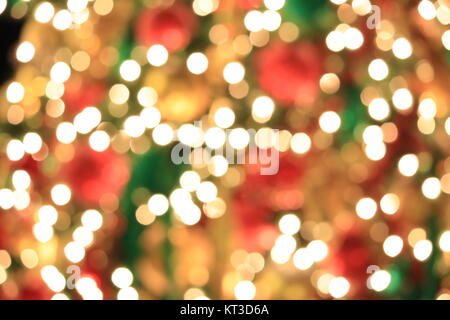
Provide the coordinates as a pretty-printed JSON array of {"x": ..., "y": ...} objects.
[{"x": 53, "y": 99}]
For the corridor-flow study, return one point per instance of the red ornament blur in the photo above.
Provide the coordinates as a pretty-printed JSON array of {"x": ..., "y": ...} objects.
[
  {"x": 171, "y": 27},
  {"x": 290, "y": 73}
]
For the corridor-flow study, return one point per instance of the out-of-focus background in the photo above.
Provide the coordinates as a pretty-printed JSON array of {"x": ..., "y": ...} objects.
[{"x": 347, "y": 102}]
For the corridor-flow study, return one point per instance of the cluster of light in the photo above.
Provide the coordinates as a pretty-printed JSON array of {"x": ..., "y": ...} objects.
[
  {"x": 380, "y": 280},
  {"x": 83, "y": 236},
  {"x": 302, "y": 259},
  {"x": 215, "y": 138},
  {"x": 375, "y": 148},
  {"x": 379, "y": 109},
  {"x": 422, "y": 250},
  {"x": 60, "y": 296},
  {"x": 224, "y": 117},
  {"x": 408, "y": 165},
  {"x": 390, "y": 203},
  {"x": 197, "y": 63},
  {"x": 185, "y": 209},
  {"x": 60, "y": 72},
  {"x": 274, "y": 4},
  {"x": 289, "y": 224},
  {"x": 47, "y": 214},
  {"x": 268, "y": 20},
  {"x": 53, "y": 278},
  {"x": 128, "y": 293},
  {"x": 88, "y": 119},
  {"x": 62, "y": 20},
  {"x": 15, "y": 150},
  {"x": 119, "y": 94},
  {"x": 157, "y": 55},
  {"x": 54, "y": 90},
  {"x": 353, "y": 38},
  {"x": 318, "y": 250},
  {"x": 431, "y": 188},
  {"x": 329, "y": 122},
  {"x": 402, "y": 99},
  {"x": 88, "y": 289},
  {"x": 3, "y": 4},
  {"x": 262, "y": 109},
  {"x": 206, "y": 191},
  {"x": 189, "y": 215},
  {"x": 190, "y": 180},
  {"x": 416, "y": 235},
  {"x": 32, "y": 142},
  {"x": 179, "y": 196},
  {"x": 44, "y": 12},
  {"x": 239, "y": 138},
  {"x": 282, "y": 140},
  {"x": 366, "y": 208},
  {"x": 393, "y": 245},
  {"x": 21, "y": 180},
  {"x": 77, "y": 5},
  {"x": 195, "y": 294},
  {"x": 130, "y": 70},
  {"x": 61, "y": 194},
  {"x": 427, "y": 108},
  {"x": 445, "y": 183},
  {"x": 427, "y": 10},
  {"x": 6, "y": 199},
  {"x": 444, "y": 241},
  {"x": 163, "y": 134},
  {"x": 234, "y": 72},
  {"x": 218, "y": 165},
  {"x": 66, "y": 132},
  {"x": 315, "y": 251},
  {"x": 134, "y": 126},
  {"x": 362, "y": 7},
  {"x": 300, "y": 143},
  {"x": 122, "y": 277},
  {"x": 147, "y": 96},
  {"x": 190, "y": 135},
  {"x": 323, "y": 282},
  {"x": 25, "y": 52},
  {"x": 74, "y": 251},
  {"x": 158, "y": 204},
  {"x": 402, "y": 48},
  {"x": 445, "y": 38},
  {"x": 338, "y": 287},
  {"x": 29, "y": 258},
  {"x": 103, "y": 7},
  {"x": 15, "y": 92},
  {"x": 378, "y": 69},
  {"x": 245, "y": 290},
  {"x": 329, "y": 83},
  {"x": 284, "y": 246},
  {"x": 99, "y": 140},
  {"x": 144, "y": 216},
  {"x": 92, "y": 219},
  {"x": 43, "y": 232},
  {"x": 151, "y": 117},
  {"x": 215, "y": 209},
  {"x": 205, "y": 7},
  {"x": 266, "y": 138},
  {"x": 343, "y": 37},
  {"x": 426, "y": 125}
]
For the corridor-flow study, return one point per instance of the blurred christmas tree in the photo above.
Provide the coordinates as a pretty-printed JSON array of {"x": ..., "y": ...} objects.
[{"x": 348, "y": 100}]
